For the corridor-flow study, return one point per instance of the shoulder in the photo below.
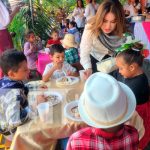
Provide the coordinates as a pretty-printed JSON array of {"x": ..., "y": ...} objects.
[
  {"x": 49, "y": 65},
  {"x": 129, "y": 130},
  {"x": 82, "y": 133}
]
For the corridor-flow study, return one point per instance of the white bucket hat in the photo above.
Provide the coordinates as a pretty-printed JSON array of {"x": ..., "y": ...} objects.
[
  {"x": 69, "y": 40},
  {"x": 105, "y": 102}
]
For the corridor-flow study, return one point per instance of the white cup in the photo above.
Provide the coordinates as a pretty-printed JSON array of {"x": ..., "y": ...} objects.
[
  {"x": 82, "y": 75},
  {"x": 47, "y": 50},
  {"x": 43, "y": 110}
]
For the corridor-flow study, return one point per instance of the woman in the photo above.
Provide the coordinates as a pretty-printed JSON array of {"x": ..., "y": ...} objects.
[
  {"x": 95, "y": 5},
  {"x": 78, "y": 15},
  {"x": 5, "y": 19},
  {"x": 89, "y": 10},
  {"x": 102, "y": 35}
]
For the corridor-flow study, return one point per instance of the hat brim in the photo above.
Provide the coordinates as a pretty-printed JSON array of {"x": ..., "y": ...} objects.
[
  {"x": 68, "y": 44},
  {"x": 130, "y": 110}
]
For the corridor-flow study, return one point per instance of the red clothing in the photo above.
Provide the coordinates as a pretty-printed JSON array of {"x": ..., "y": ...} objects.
[
  {"x": 97, "y": 139},
  {"x": 144, "y": 112},
  {"x": 5, "y": 43},
  {"x": 51, "y": 41}
]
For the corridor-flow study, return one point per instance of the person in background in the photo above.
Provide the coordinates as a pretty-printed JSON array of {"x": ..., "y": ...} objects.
[
  {"x": 94, "y": 105},
  {"x": 54, "y": 38},
  {"x": 102, "y": 35},
  {"x": 133, "y": 7},
  {"x": 31, "y": 48},
  {"x": 5, "y": 20},
  {"x": 89, "y": 10},
  {"x": 129, "y": 62},
  {"x": 78, "y": 14},
  {"x": 58, "y": 68},
  {"x": 74, "y": 30},
  {"x": 71, "y": 51},
  {"x": 60, "y": 16},
  {"x": 95, "y": 5}
]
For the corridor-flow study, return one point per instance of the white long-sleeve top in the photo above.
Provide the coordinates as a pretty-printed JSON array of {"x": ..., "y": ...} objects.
[
  {"x": 79, "y": 18},
  {"x": 89, "y": 11},
  {"x": 90, "y": 45},
  {"x": 4, "y": 16}
]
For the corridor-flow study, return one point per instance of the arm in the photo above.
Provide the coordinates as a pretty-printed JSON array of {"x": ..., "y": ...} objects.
[
  {"x": 27, "y": 49},
  {"x": 47, "y": 74},
  {"x": 75, "y": 12},
  {"x": 85, "y": 48},
  {"x": 15, "y": 114}
]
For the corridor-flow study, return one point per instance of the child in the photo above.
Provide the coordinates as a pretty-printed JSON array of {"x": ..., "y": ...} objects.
[
  {"x": 129, "y": 62},
  {"x": 54, "y": 38},
  {"x": 71, "y": 52},
  {"x": 13, "y": 93},
  {"x": 105, "y": 113},
  {"x": 73, "y": 30},
  {"x": 31, "y": 51},
  {"x": 58, "y": 68}
]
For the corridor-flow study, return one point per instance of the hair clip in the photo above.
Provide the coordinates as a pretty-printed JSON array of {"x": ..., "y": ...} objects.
[{"x": 134, "y": 49}]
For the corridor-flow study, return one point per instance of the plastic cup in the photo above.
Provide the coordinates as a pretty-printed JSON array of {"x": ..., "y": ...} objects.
[
  {"x": 43, "y": 110},
  {"x": 82, "y": 75}
]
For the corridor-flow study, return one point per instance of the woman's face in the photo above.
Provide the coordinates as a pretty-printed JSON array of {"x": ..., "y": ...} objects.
[
  {"x": 79, "y": 3},
  {"x": 109, "y": 23}
]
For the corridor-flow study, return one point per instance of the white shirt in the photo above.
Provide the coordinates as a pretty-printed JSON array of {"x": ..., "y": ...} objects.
[
  {"x": 59, "y": 73},
  {"x": 89, "y": 11},
  {"x": 130, "y": 8},
  {"x": 90, "y": 45},
  {"x": 4, "y": 16},
  {"x": 79, "y": 18}
]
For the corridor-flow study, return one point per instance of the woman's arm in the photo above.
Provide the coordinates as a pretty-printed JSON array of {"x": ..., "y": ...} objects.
[
  {"x": 27, "y": 49},
  {"x": 86, "y": 48}
]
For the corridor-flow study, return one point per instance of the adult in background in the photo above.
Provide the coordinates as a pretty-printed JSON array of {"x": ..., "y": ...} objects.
[
  {"x": 5, "y": 19},
  {"x": 89, "y": 10},
  {"x": 78, "y": 15},
  {"x": 102, "y": 35},
  {"x": 95, "y": 5}
]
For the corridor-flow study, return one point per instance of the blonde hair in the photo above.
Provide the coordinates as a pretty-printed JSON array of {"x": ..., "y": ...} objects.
[{"x": 106, "y": 7}]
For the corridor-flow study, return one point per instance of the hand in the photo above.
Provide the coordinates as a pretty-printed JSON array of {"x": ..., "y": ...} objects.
[
  {"x": 87, "y": 73},
  {"x": 57, "y": 66},
  {"x": 41, "y": 99},
  {"x": 69, "y": 73}
]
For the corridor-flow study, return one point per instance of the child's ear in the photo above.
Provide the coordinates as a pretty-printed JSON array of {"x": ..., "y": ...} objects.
[
  {"x": 11, "y": 73},
  {"x": 133, "y": 66}
]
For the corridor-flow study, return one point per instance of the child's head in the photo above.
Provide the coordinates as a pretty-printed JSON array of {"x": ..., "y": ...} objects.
[
  {"x": 109, "y": 19},
  {"x": 129, "y": 61},
  {"x": 55, "y": 34},
  {"x": 14, "y": 65},
  {"x": 57, "y": 53},
  {"x": 105, "y": 102},
  {"x": 72, "y": 24},
  {"x": 30, "y": 37},
  {"x": 69, "y": 41}
]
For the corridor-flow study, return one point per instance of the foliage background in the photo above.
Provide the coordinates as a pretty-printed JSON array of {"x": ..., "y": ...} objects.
[{"x": 44, "y": 15}]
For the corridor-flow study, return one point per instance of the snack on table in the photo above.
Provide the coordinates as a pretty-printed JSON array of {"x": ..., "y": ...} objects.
[
  {"x": 67, "y": 80},
  {"x": 53, "y": 99},
  {"x": 75, "y": 112}
]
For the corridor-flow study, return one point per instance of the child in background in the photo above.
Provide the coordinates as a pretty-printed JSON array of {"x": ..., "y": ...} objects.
[
  {"x": 105, "y": 113},
  {"x": 54, "y": 38},
  {"x": 31, "y": 49},
  {"x": 129, "y": 62},
  {"x": 13, "y": 93},
  {"x": 73, "y": 30},
  {"x": 71, "y": 52},
  {"x": 58, "y": 68}
]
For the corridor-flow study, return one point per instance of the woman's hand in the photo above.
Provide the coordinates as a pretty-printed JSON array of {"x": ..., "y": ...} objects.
[
  {"x": 41, "y": 99},
  {"x": 87, "y": 73}
]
